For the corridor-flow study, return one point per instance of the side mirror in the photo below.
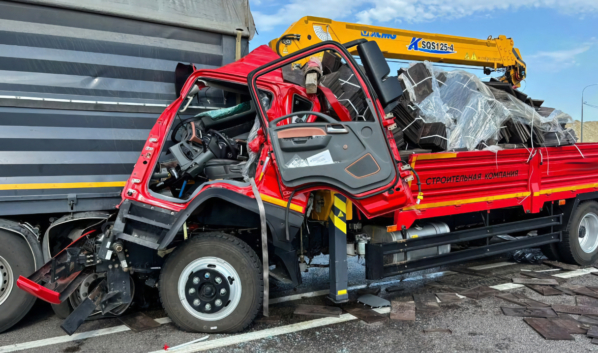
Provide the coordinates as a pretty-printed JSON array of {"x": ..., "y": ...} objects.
[
  {"x": 181, "y": 74},
  {"x": 192, "y": 92},
  {"x": 377, "y": 70}
]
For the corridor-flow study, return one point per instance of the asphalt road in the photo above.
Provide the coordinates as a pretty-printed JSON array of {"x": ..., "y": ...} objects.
[{"x": 476, "y": 325}]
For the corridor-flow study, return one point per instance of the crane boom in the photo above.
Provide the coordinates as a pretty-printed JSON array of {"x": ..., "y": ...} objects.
[{"x": 492, "y": 53}]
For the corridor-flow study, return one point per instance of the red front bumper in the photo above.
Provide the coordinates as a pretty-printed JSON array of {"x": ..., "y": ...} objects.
[{"x": 38, "y": 290}]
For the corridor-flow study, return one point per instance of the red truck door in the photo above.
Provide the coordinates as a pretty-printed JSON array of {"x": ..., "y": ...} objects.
[{"x": 343, "y": 145}]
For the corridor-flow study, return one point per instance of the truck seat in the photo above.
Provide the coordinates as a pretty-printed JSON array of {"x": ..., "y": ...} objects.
[{"x": 224, "y": 169}]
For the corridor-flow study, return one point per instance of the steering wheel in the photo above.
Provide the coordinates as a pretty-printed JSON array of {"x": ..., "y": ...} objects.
[
  {"x": 307, "y": 112},
  {"x": 178, "y": 130},
  {"x": 233, "y": 149}
]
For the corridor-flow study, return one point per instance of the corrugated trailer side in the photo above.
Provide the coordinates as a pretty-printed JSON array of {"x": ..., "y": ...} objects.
[
  {"x": 82, "y": 82},
  {"x": 79, "y": 92}
]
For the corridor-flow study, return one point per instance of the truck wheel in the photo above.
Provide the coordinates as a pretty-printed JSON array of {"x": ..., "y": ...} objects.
[
  {"x": 212, "y": 283},
  {"x": 580, "y": 238},
  {"x": 16, "y": 259},
  {"x": 62, "y": 310}
]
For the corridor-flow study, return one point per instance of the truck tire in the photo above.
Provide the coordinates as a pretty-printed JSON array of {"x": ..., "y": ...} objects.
[
  {"x": 551, "y": 251},
  {"x": 212, "y": 283},
  {"x": 16, "y": 259},
  {"x": 580, "y": 237},
  {"x": 62, "y": 310}
]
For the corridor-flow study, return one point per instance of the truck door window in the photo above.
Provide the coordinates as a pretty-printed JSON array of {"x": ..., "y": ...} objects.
[
  {"x": 301, "y": 104},
  {"x": 339, "y": 90},
  {"x": 343, "y": 143}
]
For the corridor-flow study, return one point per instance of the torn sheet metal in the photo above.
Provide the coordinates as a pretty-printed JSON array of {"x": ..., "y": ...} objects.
[
  {"x": 576, "y": 310},
  {"x": 587, "y": 320},
  {"x": 593, "y": 332},
  {"x": 544, "y": 290},
  {"x": 564, "y": 290},
  {"x": 373, "y": 301},
  {"x": 535, "y": 281},
  {"x": 542, "y": 275},
  {"x": 583, "y": 291},
  {"x": 425, "y": 302},
  {"x": 317, "y": 310},
  {"x": 562, "y": 265},
  {"x": 402, "y": 311},
  {"x": 448, "y": 298},
  {"x": 548, "y": 329},
  {"x": 572, "y": 327},
  {"x": 521, "y": 299},
  {"x": 528, "y": 312},
  {"x": 479, "y": 292},
  {"x": 586, "y": 301},
  {"x": 366, "y": 314}
]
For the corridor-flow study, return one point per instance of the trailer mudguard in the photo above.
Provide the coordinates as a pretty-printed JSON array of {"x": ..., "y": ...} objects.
[{"x": 29, "y": 236}]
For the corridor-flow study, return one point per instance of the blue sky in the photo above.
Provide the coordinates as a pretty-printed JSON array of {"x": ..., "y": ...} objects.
[{"x": 558, "y": 39}]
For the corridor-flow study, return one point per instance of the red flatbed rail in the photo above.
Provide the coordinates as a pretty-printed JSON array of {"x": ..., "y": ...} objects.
[{"x": 461, "y": 182}]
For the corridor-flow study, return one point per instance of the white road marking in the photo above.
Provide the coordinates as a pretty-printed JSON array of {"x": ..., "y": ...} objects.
[
  {"x": 227, "y": 341},
  {"x": 63, "y": 339},
  {"x": 276, "y": 331},
  {"x": 74, "y": 337}
]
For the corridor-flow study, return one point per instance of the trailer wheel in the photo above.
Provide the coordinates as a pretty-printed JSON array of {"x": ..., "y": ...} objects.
[
  {"x": 580, "y": 238},
  {"x": 212, "y": 283},
  {"x": 14, "y": 262}
]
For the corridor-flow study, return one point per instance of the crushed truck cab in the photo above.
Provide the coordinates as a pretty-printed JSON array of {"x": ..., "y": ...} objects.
[{"x": 220, "y": 202}]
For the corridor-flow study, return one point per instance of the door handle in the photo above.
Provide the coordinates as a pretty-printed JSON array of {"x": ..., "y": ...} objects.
[{"x": 336, "y": 129}]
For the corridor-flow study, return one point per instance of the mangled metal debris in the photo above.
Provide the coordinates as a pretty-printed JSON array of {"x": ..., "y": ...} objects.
[
  {"x": 402, "y": 311},
  {"x": 528, "y": 312},
  {"x": 536, "y": 281},
  {"x": 548, "y": 329},
  {"x": 521, "y": 299},
  {"x": 373, "y": 301},
  {"x": 561, "y": 265},
  {"x": 581, "y": 300},
  {"x": 425, "y": 302},
  {"x": 448, "y": 298},
  {"x": 479, "y": 292},
  {"x": 366, "y": 314},
  {"x": 542, "y": 275},
  {"x": 576, "y": 310},
  {"x": 545, "y": 290},
  {"x": 317, "y": 310}
]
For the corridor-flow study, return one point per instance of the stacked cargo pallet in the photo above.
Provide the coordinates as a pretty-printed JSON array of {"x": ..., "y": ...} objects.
[{"x": 516, "y": 132}]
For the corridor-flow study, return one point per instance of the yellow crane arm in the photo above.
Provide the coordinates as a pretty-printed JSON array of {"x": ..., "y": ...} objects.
[{"x": 492, "y": 53}]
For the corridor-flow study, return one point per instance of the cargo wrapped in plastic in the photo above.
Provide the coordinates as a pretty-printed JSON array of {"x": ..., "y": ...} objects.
[{"x": 477, "y": 113}]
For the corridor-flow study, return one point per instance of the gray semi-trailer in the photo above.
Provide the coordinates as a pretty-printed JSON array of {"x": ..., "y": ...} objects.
[{"x": 81, "y": 84}]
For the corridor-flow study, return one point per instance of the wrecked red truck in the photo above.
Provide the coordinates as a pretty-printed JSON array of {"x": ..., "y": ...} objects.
[{"x": 221, "y": 202}]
